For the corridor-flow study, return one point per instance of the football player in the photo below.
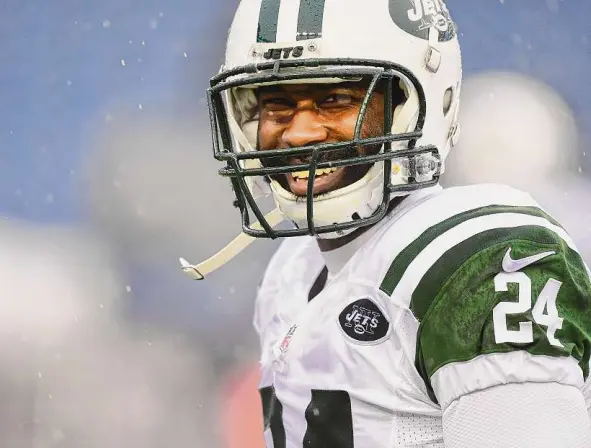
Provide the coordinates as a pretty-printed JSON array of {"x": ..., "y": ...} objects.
[{"x": 395, "y": 313}]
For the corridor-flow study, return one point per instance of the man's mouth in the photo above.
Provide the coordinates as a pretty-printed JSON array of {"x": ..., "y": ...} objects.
[{"x": 326, "y": 180}]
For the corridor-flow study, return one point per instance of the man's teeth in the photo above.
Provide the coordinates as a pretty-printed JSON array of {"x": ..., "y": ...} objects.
[{"x": 305, "y": 174}]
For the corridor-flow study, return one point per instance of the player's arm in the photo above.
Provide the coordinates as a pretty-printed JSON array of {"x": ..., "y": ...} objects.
[{"x": 504, "y": 347}]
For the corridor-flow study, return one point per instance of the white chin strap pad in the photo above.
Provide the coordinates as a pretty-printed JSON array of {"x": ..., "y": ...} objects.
[{"x": 361, "y": 198}]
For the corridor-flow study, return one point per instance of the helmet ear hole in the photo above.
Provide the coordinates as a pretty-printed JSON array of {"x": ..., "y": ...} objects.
[{"x": 448, "y": 97}]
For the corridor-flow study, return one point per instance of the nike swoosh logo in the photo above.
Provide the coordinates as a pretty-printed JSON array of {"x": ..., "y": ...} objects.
[{"x": 511, "y": 265}]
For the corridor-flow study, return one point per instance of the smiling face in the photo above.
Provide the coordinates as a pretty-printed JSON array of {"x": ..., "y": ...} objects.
[{"x": 299, "y": 115}]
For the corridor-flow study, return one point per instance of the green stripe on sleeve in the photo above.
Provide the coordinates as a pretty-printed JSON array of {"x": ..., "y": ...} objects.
[{"x": 403, "y": 260}]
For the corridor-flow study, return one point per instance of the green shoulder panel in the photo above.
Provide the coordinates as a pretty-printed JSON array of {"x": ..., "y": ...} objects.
[
  {"x": 468, "y": 305},
  {"x": 457, "y": 297},
  {"x": 402, "y": 261}
]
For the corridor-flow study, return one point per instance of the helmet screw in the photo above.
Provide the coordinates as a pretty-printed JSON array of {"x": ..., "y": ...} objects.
[{"x": 312, "y": 47}]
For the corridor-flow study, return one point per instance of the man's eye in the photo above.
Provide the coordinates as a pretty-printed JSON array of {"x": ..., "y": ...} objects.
[
  {"x": 337, "y": 100},
  {"x": 276, "y": 104}
]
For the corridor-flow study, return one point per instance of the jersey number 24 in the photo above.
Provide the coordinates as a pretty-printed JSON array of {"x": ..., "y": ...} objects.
[{"x": 544, "y": 311}]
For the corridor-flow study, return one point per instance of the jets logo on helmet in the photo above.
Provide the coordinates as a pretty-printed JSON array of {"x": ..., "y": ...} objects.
[{"x": 417, "y": 17}]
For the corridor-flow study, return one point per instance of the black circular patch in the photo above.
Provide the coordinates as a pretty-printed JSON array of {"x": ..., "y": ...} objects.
[
  {"x": 416, "y": 17},
  {"x": 363, "y": 321}
]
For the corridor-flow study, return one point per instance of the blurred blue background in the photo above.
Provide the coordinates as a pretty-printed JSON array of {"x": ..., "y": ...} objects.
[
  {"x": 62, "y": 70},
  {"x": 104, "y": 131}
]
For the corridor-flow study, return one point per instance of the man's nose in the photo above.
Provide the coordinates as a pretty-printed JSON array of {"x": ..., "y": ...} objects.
[{"x": 304, "y": 129}]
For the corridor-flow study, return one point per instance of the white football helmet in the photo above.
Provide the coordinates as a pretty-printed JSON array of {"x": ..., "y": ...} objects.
[{"x": 412, "y": 43}]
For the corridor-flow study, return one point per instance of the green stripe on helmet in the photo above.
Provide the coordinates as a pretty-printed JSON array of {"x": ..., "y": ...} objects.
[
  {"x": 310, "y": 19},
  {"x": 268, "y": 19}
]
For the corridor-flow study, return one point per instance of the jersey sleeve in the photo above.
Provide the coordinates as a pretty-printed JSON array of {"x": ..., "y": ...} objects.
[
  {"x": 587, "y": 395},
  {"x": 506, "y": 305},
  {"x": 510, "y": 416}
]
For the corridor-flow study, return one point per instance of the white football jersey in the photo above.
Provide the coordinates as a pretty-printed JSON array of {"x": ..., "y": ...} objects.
[{"x": 456, "y": 291}]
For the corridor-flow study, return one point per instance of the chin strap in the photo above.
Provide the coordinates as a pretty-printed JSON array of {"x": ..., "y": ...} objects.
[{"x": 233, "y": 248}]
